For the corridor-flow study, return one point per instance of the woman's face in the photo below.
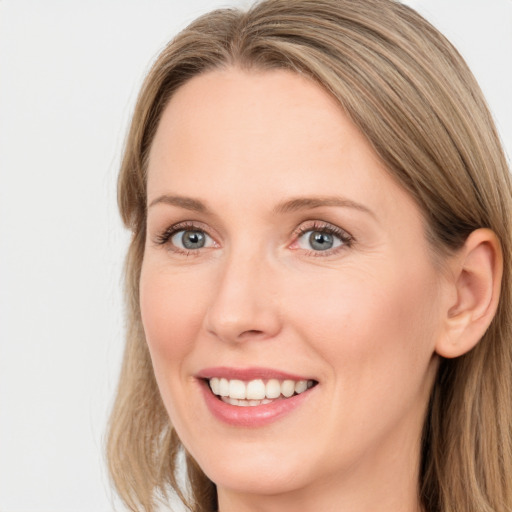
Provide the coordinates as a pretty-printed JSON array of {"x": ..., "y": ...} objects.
[{"x": 282, "y": 259}]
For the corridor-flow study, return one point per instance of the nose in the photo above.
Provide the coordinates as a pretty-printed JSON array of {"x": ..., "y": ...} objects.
[{"x": 244, "y": 305}]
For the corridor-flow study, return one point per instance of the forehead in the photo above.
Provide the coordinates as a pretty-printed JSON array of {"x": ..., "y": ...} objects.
[
  {"x": 259, "y": 114},
  {"x": 259, "y": 135}
]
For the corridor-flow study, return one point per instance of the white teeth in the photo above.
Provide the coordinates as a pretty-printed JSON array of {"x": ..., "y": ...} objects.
[
  {"x": 256, "y": 392},
  {"x": 237, "y": 389},
  {"x": 214, "y": 384},
  {"x": 273, "y": 389},
  {"x": 301, "y": 386},
  {"x": 288, "y": 388},
  {"x": 257, "y": 402},
  {"x": 224, "y": 387},
  {"x": 244, "y": 403}
]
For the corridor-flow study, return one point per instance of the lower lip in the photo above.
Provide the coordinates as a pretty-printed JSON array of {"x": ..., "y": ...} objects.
[{"x": 251, "y": 416}]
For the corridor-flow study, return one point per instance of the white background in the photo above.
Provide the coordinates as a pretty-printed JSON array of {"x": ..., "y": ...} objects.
[{"x": 69, "y": 74}]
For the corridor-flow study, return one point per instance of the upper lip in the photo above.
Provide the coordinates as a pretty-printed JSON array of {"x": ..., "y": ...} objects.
[{"x": 248, "y": 374}]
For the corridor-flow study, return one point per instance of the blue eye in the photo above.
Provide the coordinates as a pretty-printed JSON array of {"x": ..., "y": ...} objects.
[
  {"x": 319, "y": 241},
  {"x": 321, "y": 237},
  {"x": 190, "y": 240}
]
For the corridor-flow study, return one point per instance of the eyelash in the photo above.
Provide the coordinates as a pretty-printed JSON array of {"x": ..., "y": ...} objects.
[
  {"x": 163, "y": 238},
  {"x": 320, "y": 226},
  {"x": 346, "y": 239}
]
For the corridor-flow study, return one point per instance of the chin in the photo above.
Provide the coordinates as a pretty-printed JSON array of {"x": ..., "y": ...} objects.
[
  {"x": 254, "y": 470},
  {"x": 254, "y": 479}
]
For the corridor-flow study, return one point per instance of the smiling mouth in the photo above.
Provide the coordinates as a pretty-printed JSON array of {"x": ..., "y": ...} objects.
[{"x": 258, "y": 391}]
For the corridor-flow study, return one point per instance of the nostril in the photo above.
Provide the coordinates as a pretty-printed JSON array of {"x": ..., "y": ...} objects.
[{"x": 250, "y": 333}]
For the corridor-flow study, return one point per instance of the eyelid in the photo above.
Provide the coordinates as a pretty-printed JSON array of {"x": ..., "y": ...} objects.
[
  {"x": 164, "y": 238},
  {"x": 322, "y": 226}
]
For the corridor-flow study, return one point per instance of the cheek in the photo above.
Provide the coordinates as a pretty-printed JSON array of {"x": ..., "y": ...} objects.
[
  {"x": 380, "y": 318},
  {"x": 172, "y": 306},
  {"x": 171, "y": 309},
  {"x": 376, "y": 331}
]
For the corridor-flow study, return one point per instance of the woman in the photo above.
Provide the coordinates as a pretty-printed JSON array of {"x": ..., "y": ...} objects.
[{"x": 319, "y": 276}]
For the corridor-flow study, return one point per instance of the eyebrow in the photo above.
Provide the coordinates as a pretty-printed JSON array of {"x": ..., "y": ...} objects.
[
  {"x": 308, "y": 203},
  {"x": 289, "y": 206},
  {"x": 187, "y": 203}
]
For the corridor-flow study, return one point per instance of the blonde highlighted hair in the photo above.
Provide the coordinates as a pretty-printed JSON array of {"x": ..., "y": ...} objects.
[{"x": 413, "y": 97}]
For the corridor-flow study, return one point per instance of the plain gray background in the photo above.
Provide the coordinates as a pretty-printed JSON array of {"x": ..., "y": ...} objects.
[{"x": 69, "y": 74}]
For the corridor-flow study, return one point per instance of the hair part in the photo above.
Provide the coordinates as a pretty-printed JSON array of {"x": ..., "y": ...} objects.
[{"x": 412, "y": 95}]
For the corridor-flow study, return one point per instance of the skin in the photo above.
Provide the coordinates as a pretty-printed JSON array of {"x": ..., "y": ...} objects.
[{"x": 363, "y": 320}]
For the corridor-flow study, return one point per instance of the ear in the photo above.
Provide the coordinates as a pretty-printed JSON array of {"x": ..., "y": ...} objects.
[{"x": 476, "y": 272}]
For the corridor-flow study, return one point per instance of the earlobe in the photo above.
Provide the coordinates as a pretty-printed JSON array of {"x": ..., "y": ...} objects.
[{"x": 477, "y": 270}]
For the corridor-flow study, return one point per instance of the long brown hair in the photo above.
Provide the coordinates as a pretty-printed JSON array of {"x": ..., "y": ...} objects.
[{"x": 412, "y": 95}]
